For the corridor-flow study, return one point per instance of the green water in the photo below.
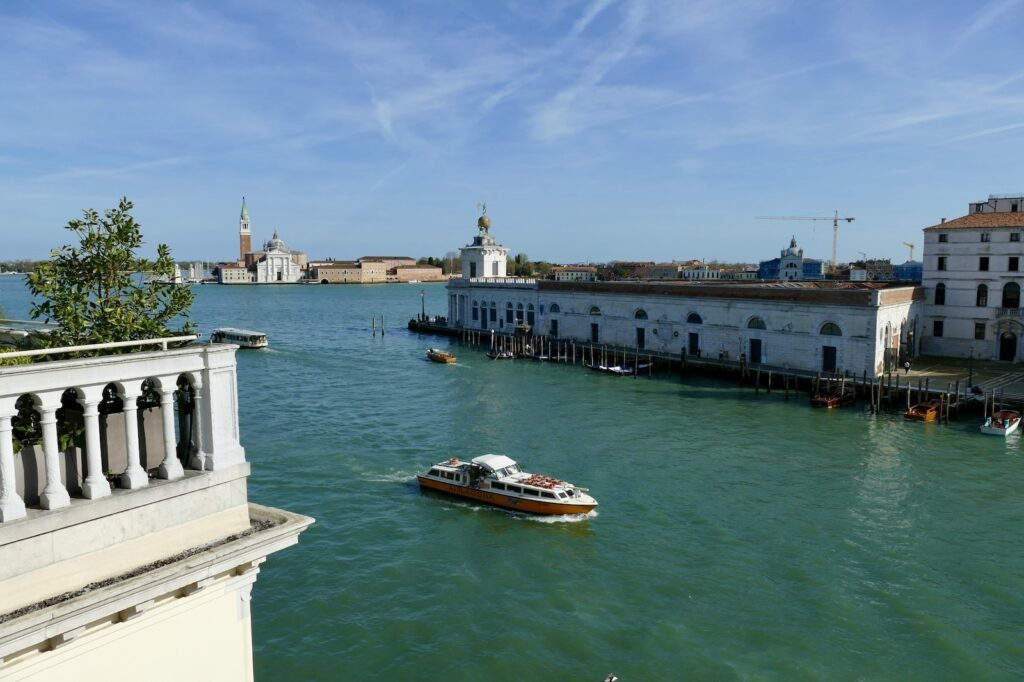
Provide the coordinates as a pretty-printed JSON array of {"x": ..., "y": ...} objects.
[{"x": 739, "y": 535}]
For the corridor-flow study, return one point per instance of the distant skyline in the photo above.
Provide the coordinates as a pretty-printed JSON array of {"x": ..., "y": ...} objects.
[{"x": 594, "y": 130}]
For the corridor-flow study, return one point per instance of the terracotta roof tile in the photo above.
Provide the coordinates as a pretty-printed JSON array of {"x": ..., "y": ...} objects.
[{"x": 975, "y": 220}]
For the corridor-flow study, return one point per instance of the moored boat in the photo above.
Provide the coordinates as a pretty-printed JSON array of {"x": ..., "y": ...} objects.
[
  {"x": 501, "y": 355},
  {"x": 244, "y": 338},
  {"x": 497, "y": 480},
  {"x": 442, "y": 356},
  {"x": 620, "y": 370},
  {"x": 1001, "y": 423},
  {"x": 924, "y": 412}
]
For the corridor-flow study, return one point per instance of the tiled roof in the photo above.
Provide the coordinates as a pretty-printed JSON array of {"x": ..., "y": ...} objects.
[{"x": 976, "y": 220}]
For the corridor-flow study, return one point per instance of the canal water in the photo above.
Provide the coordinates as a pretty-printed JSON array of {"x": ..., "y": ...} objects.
[{"x": 738, "y": 535}]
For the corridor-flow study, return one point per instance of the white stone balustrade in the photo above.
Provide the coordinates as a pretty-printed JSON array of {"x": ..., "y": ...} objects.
[{"x": 210, "y": 369}]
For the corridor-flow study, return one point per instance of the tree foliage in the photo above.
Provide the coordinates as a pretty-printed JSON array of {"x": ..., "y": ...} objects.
[{"x": 101, "y": 291}]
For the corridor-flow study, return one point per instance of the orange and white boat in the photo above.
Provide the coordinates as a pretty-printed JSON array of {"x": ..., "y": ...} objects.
[{"x": 497, "y": 480}]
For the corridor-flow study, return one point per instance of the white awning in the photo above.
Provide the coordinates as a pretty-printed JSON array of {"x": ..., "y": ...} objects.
[{"x": 493, "y": 462}]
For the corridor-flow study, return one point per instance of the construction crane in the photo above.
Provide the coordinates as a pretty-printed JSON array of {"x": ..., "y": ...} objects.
[
  {"x": 835, "y": 227},
  {"x": 910, "y": 245}
]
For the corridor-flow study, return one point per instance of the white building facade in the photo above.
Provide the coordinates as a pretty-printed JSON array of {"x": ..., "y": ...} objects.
[
  {"x": 972, "y": 277},
  {"x": 276, "y": 264},
  {"x": 811, "y": 326}
]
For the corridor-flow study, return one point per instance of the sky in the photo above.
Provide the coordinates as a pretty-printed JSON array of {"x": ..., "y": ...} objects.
[{"x": 593, "y": 129}]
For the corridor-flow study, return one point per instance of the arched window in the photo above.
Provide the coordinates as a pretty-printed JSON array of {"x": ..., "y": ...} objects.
[
  {"x": 694, "y": 318},
  {"x": 831, "y": 329},
  {"x": 554, "y": 309},
  {"x": 494, "y": 312},
  {"x": 519, "y": 312},
  {"x": 508, "y": 313},
  {"x": 594, "y": 310},
  {"x": 476, "y": 312},
  {"x": 755, "y": 323},
  {"x": 1011, "y": 295},
  {"x": 981, "y": 300},
  {"x": 640, "y": 314},
  {"x": 940, "y": 294},
  {"x": 530, "y": 319}
]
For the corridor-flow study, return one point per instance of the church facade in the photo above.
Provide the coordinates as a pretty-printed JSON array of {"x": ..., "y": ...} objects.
[{"x": 275, "y": 263}]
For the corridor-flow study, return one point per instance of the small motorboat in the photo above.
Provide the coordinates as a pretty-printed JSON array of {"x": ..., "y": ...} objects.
[
  {"x": 442, "y": 356},
  {"x": 1001, "y": 423},
  {"x": 501, "y": 355},
  {"x": 497, "y": 480},
  {"x": 924, "y": 412}
]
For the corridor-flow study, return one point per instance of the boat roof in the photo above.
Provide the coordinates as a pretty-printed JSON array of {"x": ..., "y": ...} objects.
[
  {"x": 493, "y": 462},
  {"x": 243, "y": 332}
]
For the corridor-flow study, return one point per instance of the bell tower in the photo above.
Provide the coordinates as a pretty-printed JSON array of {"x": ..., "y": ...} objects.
[{"x": 244, "y": 236}]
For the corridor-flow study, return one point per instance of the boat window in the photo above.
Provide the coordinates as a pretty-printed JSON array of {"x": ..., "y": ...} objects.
[
  {"x": 514, "y": 489},
  {"x": 561, "y": 496},
  {"x": 547, "y": 494},
  {"x": 434, "y": 472},
  {"x": 529, "y": 491},
  {"x": 498, "y": 486}
]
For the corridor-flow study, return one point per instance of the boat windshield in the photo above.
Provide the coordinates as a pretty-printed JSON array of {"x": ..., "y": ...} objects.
[{"x": 507, "y": 471}]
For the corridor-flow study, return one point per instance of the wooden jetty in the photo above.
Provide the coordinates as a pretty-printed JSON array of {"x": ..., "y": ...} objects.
[{"x": 888, "y": 392}]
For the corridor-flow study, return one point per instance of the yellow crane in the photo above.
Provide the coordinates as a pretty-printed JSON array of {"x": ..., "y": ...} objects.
[
  {"x": 910, "y": 245},
  {"x": 835, "y": 226}
]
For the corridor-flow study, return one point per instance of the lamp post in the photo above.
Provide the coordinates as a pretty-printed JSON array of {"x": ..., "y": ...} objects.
[{"x": 423, "y": 306}]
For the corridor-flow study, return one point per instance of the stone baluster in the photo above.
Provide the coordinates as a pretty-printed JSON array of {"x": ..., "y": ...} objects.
[
  {"x": 11, "y": 505},
  {"x": 198, "y": 458},
  {"x": 54, "y": 495},
  {"x": 134, "y": 476},
  {"x": 170, "y": 468},
  {"x": 95, "y": 484}
]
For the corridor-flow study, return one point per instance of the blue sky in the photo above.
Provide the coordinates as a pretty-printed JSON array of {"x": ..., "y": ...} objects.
[{"x": 593, "y": 129}]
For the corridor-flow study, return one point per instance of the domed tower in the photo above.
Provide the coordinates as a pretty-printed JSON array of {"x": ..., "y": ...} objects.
[
  {"x": 244, "y": 235},
  {"x": 484, "y": 257}
]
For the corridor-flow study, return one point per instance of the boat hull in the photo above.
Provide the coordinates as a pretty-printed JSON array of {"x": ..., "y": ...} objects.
[
  {"x": 505, "y": 501},
  {"x": 990, "y": 429}
]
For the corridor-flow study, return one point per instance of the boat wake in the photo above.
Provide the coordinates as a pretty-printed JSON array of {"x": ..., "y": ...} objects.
[
  {"x": 393, "y": 477},
  {"x": 564, "y": 518}
]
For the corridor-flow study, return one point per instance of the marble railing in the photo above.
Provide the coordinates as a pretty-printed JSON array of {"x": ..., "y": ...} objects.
[{"x": 205, "y": 371}]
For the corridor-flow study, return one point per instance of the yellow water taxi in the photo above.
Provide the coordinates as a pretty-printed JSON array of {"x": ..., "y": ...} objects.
[
  {"x": 497, "y": 480},
  {"x": 438, "y": 355}
]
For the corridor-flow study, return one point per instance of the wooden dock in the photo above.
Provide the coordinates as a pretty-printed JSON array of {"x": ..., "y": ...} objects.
[{"x": 888, "y": 392}]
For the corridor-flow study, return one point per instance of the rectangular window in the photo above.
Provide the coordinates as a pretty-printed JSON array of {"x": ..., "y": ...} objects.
[
  {"x": 1015, "y": 236},
  {"x": 1014, "y": 264},
  {"x": 983, "y": 263},
  {"x": 476, "y": 313},
  {"x": 942, "y": 263},
  {"x": 943, "y": 238},
  {"x": 979, "y": 331},
  {"x": 494, "y": 314},
  {"x": 985, "y": 236},
  {"x": 937, "y": 328}
]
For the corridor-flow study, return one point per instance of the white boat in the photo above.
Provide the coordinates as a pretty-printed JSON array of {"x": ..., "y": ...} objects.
[
  {"x": 1001, "y": 423},
  {"x": 497, "y": 480},
  {"x": 244, "y": 338},
  {"x": 620, "y": 370}
]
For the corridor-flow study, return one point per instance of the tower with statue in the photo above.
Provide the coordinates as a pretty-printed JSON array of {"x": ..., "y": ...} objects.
[{"x": 483, "y": 257}]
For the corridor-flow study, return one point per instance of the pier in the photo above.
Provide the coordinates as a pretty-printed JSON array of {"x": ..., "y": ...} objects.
[{"x": 973, "y": 390}]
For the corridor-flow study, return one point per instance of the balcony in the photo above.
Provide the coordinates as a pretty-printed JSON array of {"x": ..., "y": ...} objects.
[
  {"x": 84, "y": 427},
  {"x": 1010, "y": 312}
]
